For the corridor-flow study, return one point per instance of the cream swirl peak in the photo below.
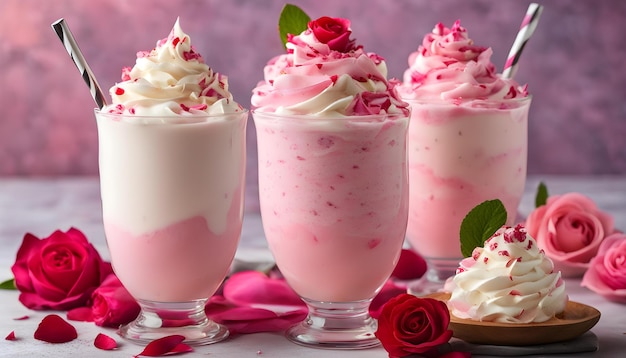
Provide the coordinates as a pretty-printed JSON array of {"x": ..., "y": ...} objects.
[
  {"x": 510, "y": 280},
  {"x": 171, "y": 79},
  {"x": 324, "y": 73},
  {"x": 449, "y": 66}
]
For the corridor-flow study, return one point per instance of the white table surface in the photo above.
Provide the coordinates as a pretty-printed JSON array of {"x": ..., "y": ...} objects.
[{"x": 40, "y": 206}]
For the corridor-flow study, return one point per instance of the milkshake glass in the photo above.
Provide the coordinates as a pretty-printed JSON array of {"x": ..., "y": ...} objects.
[
  {"x": 333, "y": 179},
  {"x": 459, "y": 156},
  {"x": 172, "y": 199},
  {"x": 333, "y": 195},
  {"x": 468, "y": 143},
  {"x": 172, "y": 164}
]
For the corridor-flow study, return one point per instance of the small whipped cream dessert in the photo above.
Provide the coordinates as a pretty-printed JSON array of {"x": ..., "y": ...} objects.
[{"x": 509, "y": 280}]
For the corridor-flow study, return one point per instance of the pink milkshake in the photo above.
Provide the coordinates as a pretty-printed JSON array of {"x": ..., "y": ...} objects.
[
  {"x": 331, "y": 135},
  {"x": 467, "y": 142},
  {"x": 172, "y": 165}
]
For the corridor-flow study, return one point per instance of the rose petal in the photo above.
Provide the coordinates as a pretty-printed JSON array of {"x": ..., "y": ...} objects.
[
  {"x": 54, "y": 329},
  {"x": 104, "y": 342},
  {"x": 82, "y": 314},
  {"x": 411, "y": 266},
  {"x": 255, "y": 287},
  {"x": 11, "y": 336},
  {"x": 389, "y": 291},
  {"x": 21, "y": 318},
  {"x": 163, "y": 346}
]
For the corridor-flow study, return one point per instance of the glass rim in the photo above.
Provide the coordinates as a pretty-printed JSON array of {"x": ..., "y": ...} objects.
[
  {"x": 98, "y": 111},
  {"x": 311, "y": 117},
  {"x": 468, "y": 101}
]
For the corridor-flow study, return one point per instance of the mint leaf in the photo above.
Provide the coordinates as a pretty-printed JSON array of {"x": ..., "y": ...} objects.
[
  {"x": 480, "y": 223},
  {"x": 542, "y": 195},
  {"x": 8, "y": 285},
  {"x": 293, "y": 21}
]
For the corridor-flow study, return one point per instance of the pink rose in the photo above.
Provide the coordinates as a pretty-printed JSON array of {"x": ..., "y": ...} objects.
[
  {"x": 59, "y": 272},
  {"x": 335, "y": 32},
  {"x": 607, "y": 271},
  {"x": 411, "y": 325},
  {"x": 111, "y": 305},
  {"x": 570, "y": 229}
]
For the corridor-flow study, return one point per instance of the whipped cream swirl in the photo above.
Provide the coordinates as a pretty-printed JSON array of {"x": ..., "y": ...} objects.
[
  {"x": 313, "y": 79},
  {"x": 449, "y": 66},
  {"x": 510, "y": 280},
  {"x": 171, "y": 80}
]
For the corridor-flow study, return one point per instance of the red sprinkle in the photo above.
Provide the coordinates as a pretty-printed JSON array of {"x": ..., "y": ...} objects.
[{"x": 119, "y": 91}]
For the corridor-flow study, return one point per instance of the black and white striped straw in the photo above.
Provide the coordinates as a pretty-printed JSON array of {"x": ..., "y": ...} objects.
[
  {"x": 529, "y": 24},
  {"x": 66, "y": 37}
]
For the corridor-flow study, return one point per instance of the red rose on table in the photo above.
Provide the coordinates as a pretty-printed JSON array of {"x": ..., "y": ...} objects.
[
  {"x": 570, "y": 229},
  {"x": 335, "y": 32},
  {"x": 111, "y": 305},
  {"x": 607, "y": 271},
  {"x": 412, "y": 325},
  {"x": 59, "y": 272}
]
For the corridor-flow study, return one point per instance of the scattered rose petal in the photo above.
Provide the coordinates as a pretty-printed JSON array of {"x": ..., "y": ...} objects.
[
  {"x": 411, "y": 266},
  {"x": 254, "y": 287},
  {"x": 166, "y": 345},
  {"x": 104, "y": 342},
  {"x": 54, "y": 329},
  {"x": 21, "y": 318},
  {"x": 11, "y": 336}
]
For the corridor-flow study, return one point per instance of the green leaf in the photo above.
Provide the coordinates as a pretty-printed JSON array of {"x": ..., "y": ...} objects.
[
  {"x": 480, "y": 223},
  {"x": 8, "y": 285},
  {"x": 292, "y": 21},
  {"x": 542, "y": 195}
]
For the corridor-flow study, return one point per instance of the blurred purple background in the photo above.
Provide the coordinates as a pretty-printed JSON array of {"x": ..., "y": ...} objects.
[{"x": 575, "y": 66}]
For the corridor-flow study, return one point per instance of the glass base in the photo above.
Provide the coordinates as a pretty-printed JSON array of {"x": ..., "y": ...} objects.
[
  {"x": 336, "y": 325},
  {"x": 160, "y": 319},
  {"x": 439, "y": 270}
]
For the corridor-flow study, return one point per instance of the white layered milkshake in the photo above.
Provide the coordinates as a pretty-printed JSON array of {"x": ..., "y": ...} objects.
[{"x": 172, "y": 164}]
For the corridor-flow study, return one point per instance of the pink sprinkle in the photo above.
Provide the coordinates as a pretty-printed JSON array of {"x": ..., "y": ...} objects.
[
  {"x": 175, "y": 41},
  {"x": 510, "y": 262},
  {"x": 373, "y": 243},
  {"x": 503, "y": 253},
  {"x": 334, "y": 78},
  {"x": 185, "y": 108},
  {"x": 493, "y": 246},
  {"x": 119, "y": 91},
  {"x": 515, "y": 293},
  {"x": 319, "y": 65},
  {"x": 485, "y": 260},
  {"x": 126, "y": 73}
]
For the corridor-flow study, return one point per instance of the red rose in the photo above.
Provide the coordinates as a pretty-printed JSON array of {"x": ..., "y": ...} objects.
[
  {"x": 570, "y": 229},
  {"x": 607, "y": 271},
  {"x": 112, "y": 305},
  {"x": 412, "y": 325},
  {"x": 335, "y": 32},
  {"x": 59, "y": 272}
]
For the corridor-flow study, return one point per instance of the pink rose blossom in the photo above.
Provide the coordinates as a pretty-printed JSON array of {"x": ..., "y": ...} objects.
[
  {"x": 570, "y": 229},
  {"x": 110, "y": 306},
  {"x": 335, "y": 32},
  {"x": 59, "y": 272},
  {"x": 607, "y": 271}
]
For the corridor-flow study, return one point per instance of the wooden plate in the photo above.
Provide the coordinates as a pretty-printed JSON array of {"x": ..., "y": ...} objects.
[{"x": 574, "y": 321}]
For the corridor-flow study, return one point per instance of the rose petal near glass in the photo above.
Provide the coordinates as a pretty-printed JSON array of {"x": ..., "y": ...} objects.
[
  {"x": 81, "y": 314},
  {"x": 104, "y": 342},
  {"x": 54, "y": 329},
  {"x": 162, "y": 346}
]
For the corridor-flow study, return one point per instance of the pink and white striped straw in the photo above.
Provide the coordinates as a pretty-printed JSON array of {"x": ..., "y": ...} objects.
[
  {"x": 66, "y": 37},
  {"x": 529, "y": 24}
]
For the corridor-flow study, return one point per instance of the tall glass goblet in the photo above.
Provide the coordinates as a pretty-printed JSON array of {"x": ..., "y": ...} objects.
[
  {"x": 334, "y": 201},
  {"x": 461, "y": 154},
  {"x": 172, "y": 199}
]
